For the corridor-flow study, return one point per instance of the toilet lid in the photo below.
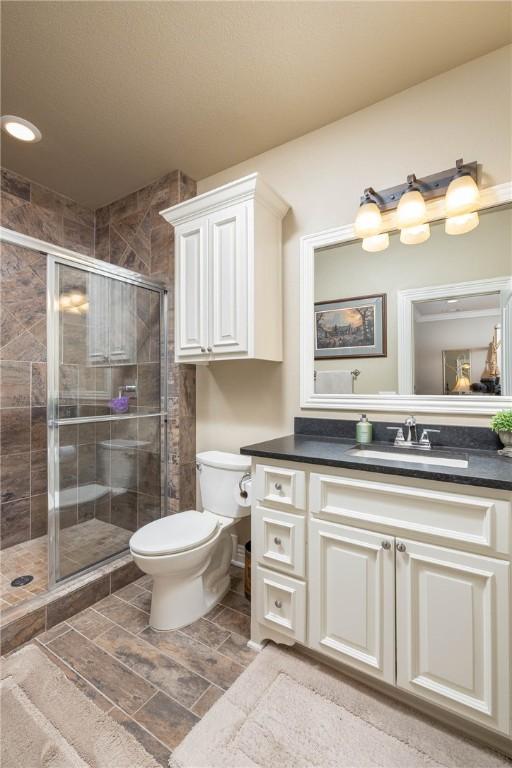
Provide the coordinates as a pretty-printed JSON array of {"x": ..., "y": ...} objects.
[{"x": 174, "y": 533}]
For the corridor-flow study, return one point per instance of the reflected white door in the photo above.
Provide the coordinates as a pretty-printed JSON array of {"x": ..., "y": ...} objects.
[
  {"x": 452, "y": 631},
  {"x": 352, "y": 597}
]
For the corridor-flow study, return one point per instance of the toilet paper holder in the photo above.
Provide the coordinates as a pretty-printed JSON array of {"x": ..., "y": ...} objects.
[{"x": 243, "y": 479}]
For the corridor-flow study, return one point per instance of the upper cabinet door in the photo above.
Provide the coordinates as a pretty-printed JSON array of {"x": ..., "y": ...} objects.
[
  {"x": 192, "y": 289},
  {"x": 453, "y": 631},
  {"x": 352, "y": 596},
  {"x": 228, "y": 269}
]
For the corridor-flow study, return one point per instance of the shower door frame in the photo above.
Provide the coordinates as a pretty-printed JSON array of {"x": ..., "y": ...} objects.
[{"x": 57, "y": 255}]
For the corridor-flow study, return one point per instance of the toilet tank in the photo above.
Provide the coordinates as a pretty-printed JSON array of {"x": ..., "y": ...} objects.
[{"x": 219, "y": 475}]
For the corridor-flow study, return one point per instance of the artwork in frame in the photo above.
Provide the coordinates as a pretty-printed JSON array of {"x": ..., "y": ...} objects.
[{"x": 353, "y": 327}]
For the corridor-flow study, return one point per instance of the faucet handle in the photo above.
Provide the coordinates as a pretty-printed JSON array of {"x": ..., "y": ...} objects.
[
  {"x": 424, "y": 439},
  {"x": 399, "y": 438}
]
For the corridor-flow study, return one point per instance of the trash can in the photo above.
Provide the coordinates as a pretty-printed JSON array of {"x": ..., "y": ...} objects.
[{"x": 247, "y": 574}]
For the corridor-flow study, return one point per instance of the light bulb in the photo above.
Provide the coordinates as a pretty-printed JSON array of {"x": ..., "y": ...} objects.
[
  {"x": 76, "y": 299},
  {"x": 65, "y": 301},
  {"x": 368, "y": 220},
  {"x": 411, "y": 209},
  {"x": 462, "y": 196},
  {"x": 376, "y": 243},
  {"x": 415, "y": 235},
  {"x": 459, "y": 225},
  {"x": 20, "y": 128}
]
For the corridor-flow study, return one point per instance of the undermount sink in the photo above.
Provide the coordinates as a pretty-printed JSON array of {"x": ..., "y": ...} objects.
[{"x": 413, "y": 458}]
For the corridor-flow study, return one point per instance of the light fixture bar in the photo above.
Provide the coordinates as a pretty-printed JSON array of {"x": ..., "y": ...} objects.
[{"x": 430, "y": 187}]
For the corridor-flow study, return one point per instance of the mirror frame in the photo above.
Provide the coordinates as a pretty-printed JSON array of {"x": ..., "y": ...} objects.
[{"x": 491, "y": 197}]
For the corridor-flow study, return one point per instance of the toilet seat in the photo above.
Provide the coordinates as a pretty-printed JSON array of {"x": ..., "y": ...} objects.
[{"x": 174, "y": 533}]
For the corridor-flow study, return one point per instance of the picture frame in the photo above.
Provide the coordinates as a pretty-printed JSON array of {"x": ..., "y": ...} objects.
[{"x": 350, "y": 328}]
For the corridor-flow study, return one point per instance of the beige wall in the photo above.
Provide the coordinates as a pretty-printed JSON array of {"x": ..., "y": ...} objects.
[
  {"x": 347, "y": 271},
  {"x": 465, "y": 112}
]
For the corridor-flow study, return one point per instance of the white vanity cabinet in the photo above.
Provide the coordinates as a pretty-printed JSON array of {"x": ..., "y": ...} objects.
[
  {"x": 406, "y": 582},
  {"x": 228, "y": 294}
]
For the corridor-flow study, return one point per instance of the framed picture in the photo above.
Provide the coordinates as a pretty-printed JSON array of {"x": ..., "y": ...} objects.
[{"x": 353, "y": 327}]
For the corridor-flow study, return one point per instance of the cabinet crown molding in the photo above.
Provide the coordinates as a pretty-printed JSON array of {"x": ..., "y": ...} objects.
[{"x": 250, "y": 187}]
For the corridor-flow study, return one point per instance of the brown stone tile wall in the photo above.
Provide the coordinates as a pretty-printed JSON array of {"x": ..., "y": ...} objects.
[{"x": 130, "y": 233}]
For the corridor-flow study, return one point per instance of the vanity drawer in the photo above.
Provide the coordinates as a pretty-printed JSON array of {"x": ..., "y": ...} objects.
[
  {"x": 281, "y": 603},
  {"x": 450, "y": 518},
  {"x": 280, "y": 540},
  {"x": 278, "y": 485}
]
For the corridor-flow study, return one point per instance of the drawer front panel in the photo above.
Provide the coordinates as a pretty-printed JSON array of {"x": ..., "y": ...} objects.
[
  {"x": 281, "y": 603},
  {"x": 450, "y": 518},
  {"x": 278, "y": 485},
  {"x": 280, "y": 540}
]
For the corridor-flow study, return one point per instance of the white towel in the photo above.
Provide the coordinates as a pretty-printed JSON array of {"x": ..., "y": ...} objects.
[{"x": 334, "y": 383}]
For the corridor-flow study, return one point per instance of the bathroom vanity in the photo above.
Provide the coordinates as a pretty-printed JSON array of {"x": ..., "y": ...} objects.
[{"x": 396, "y": 569}]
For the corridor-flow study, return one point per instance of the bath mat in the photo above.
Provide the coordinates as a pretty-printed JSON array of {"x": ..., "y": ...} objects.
[
  {"x": 286, "y": 710},
  {"x": 47, "y": 722}
]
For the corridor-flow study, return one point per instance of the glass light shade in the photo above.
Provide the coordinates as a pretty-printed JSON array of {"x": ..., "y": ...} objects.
[
  {"x": 462, "y": 196},
  {"x": 76, "y": 299},
  {"x": 415, "y": 235},
  {"x": 411, "y": 209},
  {"x": 459, "y": 225},
  {"x": 368, "y": 220},
  {"x": 376, "y": 243},
  {"x": 65, "y": 301}
]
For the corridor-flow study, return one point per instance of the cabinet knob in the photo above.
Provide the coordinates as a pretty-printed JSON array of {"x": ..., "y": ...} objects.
[
  {"x": 401, "y": 546},
  {"x": 278, "y": 604},
  {"x": 209, "y": 349},
  {"x": 203, "y": 349},
  {"x": 277, "y": 540},
  {"x": 278, "y": 486},
  {"x": 385, "y": 544}
]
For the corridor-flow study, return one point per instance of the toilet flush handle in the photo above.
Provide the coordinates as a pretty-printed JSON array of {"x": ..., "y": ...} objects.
[{"x": 243, "y": 492}]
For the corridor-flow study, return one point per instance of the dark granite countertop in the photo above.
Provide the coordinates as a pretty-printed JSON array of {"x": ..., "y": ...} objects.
[{"x": 486, "y": 468}]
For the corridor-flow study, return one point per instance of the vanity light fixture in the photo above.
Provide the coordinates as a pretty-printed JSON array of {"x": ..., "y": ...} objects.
[
  {"x": 21, "y": 129},
  {"x": 412, "y": 210},
  {"x": 75, "y": 303},
  {"x": 368, "y": 221},
  {"x": 461, "y": 201},
  {"x": 409, "y": 200},
  {"x": 376, "y": 243}
]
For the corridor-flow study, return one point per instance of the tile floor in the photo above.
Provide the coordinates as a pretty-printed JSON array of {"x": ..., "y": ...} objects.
[
  {"x": 80, "y": 546},
  {"x": 157, "y": 684}
]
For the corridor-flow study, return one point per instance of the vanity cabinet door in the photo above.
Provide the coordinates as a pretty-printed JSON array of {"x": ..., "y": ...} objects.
[
  {"x": 453, "y": 631},
  {"x": 352, "y": 597},
  {"x": 192, "y": 290},
  {"x": 228, "y": 270}
]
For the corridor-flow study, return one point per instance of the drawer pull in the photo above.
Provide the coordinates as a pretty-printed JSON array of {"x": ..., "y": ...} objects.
[
  {"x": 401, "y": 546},
  {"x": 278, "y": 604},
  {"x": 278, "y": 486},
  {"x": 386, "y": 544},
  {"x": 277, "y": 540}
]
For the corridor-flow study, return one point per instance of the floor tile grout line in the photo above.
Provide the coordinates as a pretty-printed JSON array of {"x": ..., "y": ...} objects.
[{"x": 137, "y": 674}]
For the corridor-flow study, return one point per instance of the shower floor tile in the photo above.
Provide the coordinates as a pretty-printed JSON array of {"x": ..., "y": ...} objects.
[
  {"x": 80, "y": 546},
  {"x": 179, "y": 673}
]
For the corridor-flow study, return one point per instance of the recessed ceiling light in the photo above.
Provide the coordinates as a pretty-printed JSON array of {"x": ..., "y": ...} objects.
[
  {"x": 21, "y": 129},
  {"x": 452, "y": 301}
]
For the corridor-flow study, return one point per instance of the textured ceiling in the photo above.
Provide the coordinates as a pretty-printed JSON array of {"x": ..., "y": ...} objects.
[{"x": 126, "y": 91}]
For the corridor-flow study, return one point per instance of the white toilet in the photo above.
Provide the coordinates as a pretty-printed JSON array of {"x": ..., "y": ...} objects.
[{"x": 188, "y": 554}]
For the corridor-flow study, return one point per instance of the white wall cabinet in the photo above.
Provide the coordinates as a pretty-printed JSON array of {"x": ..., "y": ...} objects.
[
  {"x": 405, "y": 583},
  {"x": 228, "y": 294}
]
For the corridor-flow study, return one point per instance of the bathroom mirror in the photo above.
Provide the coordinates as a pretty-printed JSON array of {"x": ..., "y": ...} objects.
[{"x": 424, "y": 327}]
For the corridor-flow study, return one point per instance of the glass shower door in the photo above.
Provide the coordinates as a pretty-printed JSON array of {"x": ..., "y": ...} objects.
[{"x": 107, "y": 410}]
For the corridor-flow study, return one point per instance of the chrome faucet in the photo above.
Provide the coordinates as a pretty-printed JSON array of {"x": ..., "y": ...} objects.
[{"x": 423, "y": 444}]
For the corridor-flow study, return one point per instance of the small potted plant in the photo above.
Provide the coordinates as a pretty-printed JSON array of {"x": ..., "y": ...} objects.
[{"x": 502, "y": 424}]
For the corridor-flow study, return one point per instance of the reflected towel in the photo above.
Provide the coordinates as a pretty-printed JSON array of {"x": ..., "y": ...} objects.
[{"x": 334, "y": 383}]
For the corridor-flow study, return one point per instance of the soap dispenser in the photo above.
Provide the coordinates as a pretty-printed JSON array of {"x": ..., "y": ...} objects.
[{"x": 364, "y": 430}]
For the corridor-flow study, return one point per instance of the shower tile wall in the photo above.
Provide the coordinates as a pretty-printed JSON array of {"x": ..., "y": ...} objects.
[{"x": 128, "y": 232}]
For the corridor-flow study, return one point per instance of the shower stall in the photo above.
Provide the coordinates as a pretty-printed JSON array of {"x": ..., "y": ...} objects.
[{"x": 106, "y": 408}]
